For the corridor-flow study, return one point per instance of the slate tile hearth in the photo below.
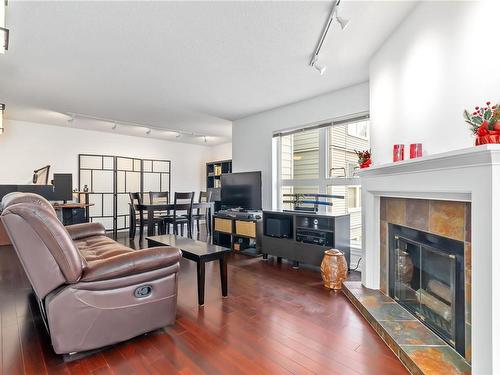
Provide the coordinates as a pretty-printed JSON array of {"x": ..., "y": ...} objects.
[{"x": 418, "y": 348}]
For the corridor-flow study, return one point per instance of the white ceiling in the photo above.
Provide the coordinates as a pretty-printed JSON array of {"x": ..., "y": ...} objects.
[{"x": 193, "y": 66}]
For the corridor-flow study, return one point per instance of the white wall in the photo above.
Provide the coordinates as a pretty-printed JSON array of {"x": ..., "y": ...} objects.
[
  {"x": 252, "y": 136},
  {"x": 441, "y": 60},
  {"x": 221, "y": 152},
  {"x": 26, "y": 146}
]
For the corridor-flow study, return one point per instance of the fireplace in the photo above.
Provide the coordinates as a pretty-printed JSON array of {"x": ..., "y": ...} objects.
[{"x": 426, "y": 277}]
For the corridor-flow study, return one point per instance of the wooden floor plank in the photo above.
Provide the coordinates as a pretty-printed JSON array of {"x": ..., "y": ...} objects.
[{"x": 276, "y": 320}]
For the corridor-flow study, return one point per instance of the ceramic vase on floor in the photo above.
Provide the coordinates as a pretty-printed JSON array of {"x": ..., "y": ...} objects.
[{"x": 333, "y": 269}]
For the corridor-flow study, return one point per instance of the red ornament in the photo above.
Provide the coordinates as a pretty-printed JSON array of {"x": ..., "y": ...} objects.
[
  {"x": 398, "y": 152},
  {"x": 366, "y": 163},
  {"x": 415, "y": 150}
]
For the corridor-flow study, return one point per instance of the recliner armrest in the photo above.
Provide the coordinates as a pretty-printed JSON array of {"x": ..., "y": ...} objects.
[
  {"x": 84, "y": 230},
  {"x": 132, "y": 263}
]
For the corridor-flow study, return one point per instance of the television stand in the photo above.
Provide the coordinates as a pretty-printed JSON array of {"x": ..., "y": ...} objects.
[
  {"x": 238, "y": 231},
  {"x": 303, "y": 237}
]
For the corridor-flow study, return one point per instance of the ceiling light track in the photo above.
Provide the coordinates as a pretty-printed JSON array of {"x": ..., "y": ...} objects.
[
  {"x": 343, "y": 24},
  {"x": 148, "y": 128}
]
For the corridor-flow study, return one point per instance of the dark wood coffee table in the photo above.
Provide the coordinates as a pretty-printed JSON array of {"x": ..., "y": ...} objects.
[{"x": 200, "y": 252}]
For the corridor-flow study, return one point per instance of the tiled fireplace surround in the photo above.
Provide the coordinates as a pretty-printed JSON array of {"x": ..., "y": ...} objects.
[
  {"x": 449, "y": 219},
  {"x": 452, "y": 195}
]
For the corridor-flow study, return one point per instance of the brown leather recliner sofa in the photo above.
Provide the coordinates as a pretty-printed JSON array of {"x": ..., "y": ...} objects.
[{"x": 92, "y": 291}]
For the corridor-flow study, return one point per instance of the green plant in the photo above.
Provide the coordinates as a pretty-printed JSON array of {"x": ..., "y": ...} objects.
[{"x": 483, "y": 117}]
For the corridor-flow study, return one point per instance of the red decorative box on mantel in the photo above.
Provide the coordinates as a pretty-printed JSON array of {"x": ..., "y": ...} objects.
[
  {"x": 491, "y": 137},
  {"x": 398, "y": 152}
]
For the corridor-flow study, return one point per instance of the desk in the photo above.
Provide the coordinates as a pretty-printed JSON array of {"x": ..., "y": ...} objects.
[
  {"x": 73, "y": 213},
  {"x": 151, "y": 208}
]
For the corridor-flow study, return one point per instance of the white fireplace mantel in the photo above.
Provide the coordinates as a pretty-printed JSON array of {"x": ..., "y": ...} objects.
[{"x": 471, "y": 174}]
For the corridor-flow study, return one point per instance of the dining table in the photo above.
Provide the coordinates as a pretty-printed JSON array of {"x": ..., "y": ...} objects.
[{"x": 151, "y": 208}]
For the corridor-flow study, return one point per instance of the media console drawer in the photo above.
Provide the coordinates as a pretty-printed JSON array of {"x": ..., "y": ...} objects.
[
  {"x": 223, "y": 225},
  {"x": 246, "y": 228}
]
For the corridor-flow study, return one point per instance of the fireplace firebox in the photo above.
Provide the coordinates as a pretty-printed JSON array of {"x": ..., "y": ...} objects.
[{"x": 426, "y": 276}]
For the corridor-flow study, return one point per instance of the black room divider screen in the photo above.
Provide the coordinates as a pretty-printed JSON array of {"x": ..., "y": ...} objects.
[{"x": 109, "y": 180}]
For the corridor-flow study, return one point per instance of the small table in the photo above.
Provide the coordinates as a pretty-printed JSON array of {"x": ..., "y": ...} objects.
[{"x": 199, "y": 252}]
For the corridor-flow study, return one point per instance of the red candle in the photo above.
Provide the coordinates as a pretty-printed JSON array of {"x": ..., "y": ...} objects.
[
  {"x": 398, "y": 152},
  {"x": 415, "y": 150}
]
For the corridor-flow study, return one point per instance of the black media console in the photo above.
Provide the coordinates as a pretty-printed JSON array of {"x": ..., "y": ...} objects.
[{"x": 302, "y": 237}]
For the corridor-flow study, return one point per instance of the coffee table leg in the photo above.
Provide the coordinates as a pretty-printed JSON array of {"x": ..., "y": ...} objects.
[
  {"x": 201, "y": 282},
  {"x": 223, "y": 275}
]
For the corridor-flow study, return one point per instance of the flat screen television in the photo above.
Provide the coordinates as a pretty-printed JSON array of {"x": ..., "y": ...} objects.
[{"x": 241, "y": 190}]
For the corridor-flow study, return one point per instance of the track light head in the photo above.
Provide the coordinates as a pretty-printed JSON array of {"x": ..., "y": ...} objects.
[
  {"x": 205, "y": 138},
  {"x": 178, "y": 135},
  {"x": 343, "y": 22},
  {"x": 319, "y": 67},
  {"x": 148, "y": 132},
  {"x": 114, "y": 126},
  {"x": 71, "y": 119}
]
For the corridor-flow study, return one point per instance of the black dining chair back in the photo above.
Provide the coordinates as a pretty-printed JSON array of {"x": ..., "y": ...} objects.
[
  {"x": 135, "y": 199},
  {"x": 182, "y": 213},
  {"x": 202, "y": 213},
  {"x": 159, "y": 197},
  {"x": 183, "y": 203}
]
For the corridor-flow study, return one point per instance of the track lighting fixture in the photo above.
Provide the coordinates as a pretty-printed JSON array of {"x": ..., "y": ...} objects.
[
  {"x": 343, "y": 24},
  {"x": 2, "y": 109},
  {"x": 4, "y": 32},
  {"x": 140, "y": 127},
  {"x": 319, "y": 67}
]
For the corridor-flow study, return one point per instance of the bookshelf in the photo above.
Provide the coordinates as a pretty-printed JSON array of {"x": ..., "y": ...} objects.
[{"x": 215, "y": 170}]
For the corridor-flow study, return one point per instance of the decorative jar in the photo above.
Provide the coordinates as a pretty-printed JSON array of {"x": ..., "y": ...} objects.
[{"x": 333, "y": 269}]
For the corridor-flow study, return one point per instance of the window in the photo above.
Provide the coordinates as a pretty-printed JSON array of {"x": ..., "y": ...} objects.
[
  {"x": 358, "y": 129},
  {"x": 353, "y": 197},
  {"x": 323, "y": 160},
  {"x": 300, "y": 155}
]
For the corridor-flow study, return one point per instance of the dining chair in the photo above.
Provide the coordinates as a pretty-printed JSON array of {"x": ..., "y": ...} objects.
[
  {"x": 161, "y": 197},
  {"x": 135, "y": 215},
  {"x": 182, "y": 213},
  {"x": 202, "y": 213},
  {"x": 136, "y": 219}
]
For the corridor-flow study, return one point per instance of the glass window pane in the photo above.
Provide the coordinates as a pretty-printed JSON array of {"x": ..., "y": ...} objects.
[
  {"x": 351, "y": 204},
  {"x": 300, "y": 155},
  {"x": 292, "y": 197},
  {"x": 343, "y": 141}
]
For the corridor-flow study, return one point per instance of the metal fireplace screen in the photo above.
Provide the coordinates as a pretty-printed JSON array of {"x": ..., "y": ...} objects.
[{"x": 426, "y": 276}]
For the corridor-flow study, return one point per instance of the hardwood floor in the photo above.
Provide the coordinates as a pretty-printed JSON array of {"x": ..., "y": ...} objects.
[{"x": 276, "y": 320}]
